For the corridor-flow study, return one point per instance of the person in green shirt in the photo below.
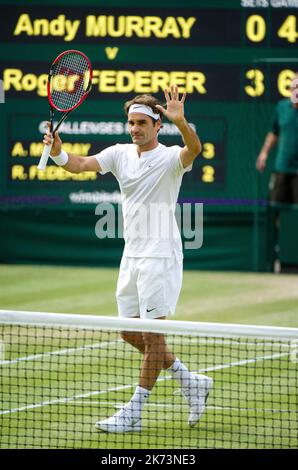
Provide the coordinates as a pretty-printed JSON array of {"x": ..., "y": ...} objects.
[
  {"x": 283, "y": 186},
  {"x": 284, "y": 132}
]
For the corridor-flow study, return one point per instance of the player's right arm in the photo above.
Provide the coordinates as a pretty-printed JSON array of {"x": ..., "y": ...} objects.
[
  {"x": 270, "y": 142},
  {"x": 75, "y": 163}
]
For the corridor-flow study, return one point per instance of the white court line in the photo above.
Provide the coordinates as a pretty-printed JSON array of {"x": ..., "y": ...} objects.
[
  {"x": 59, "y": 352},
  {"x": 123, "y": 387},
  {"x": 245, "y": 361},
  {"x": 65, "y": 400}
]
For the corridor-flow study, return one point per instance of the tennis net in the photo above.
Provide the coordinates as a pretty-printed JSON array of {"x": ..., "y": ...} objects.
[{"x": 61, "y": 373}]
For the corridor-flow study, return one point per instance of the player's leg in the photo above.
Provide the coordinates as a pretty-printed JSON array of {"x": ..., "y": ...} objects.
[
  {"x": 157, "y": 356},
  {"x": 135, "y": 339},
  {"x": 195, "y": 387},
  {"x": 141, "y": 341}
]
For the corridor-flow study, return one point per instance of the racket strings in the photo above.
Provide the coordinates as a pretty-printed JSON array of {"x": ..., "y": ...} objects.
[{"x": 70, "y": 80}]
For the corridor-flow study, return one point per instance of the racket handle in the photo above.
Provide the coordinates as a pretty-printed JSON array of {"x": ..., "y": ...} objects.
[{"x": 45, "y": 156}]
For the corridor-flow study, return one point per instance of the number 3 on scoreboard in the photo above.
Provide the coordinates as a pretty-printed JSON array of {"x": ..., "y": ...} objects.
[
  {"x": 257, "y": 87},
  {"x": 208, "y": 150}
]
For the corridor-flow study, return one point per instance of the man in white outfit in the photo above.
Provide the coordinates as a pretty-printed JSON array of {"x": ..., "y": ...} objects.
[{"x": 150, "y": 277}]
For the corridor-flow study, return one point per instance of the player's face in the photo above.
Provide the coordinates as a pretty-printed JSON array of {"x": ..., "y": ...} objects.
[
  {"x": 142, "y": 130},
  {"x": 294, "y": 91}
]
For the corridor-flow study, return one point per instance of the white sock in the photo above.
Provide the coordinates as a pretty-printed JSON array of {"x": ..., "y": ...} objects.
[
  {"x": 180, "y": 373},
  {"x": 138, "y": 400}
]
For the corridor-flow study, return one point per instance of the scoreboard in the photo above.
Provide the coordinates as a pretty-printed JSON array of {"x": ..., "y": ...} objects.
[{"x": 234, "y": 58}]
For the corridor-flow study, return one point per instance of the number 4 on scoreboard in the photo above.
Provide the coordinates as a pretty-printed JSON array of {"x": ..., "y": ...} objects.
[{"x": 288, "y": 29}]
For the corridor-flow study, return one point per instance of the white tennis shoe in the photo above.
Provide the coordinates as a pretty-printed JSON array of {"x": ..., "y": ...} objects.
[
  {"x": 122, "y": 421},
  {"x": 197, "y": 394}
]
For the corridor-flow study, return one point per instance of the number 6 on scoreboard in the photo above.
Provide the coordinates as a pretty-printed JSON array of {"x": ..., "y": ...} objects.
[{"x": 69, "y": 82}]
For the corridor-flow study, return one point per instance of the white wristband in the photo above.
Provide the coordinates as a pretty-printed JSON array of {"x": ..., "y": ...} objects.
[{"x": 60, "y": 159}]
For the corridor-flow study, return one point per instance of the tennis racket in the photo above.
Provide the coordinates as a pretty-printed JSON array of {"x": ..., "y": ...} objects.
[{"x": 69, "y": 82}]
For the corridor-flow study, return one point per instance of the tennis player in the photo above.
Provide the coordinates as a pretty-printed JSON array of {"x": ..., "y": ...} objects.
[{"x": 150, "y": 277}]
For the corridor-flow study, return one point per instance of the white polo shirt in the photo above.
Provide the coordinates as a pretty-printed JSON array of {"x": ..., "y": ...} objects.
[{"x": 149, "y": 187}]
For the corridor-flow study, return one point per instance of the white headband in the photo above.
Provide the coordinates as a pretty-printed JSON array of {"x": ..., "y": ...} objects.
[{"x": 143, "y": 109}]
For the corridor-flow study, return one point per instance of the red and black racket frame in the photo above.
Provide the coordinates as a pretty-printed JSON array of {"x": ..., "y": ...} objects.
[{"x": 52, "y": 105}]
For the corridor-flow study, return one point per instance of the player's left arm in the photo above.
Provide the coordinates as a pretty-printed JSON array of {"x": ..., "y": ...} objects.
[{"x": 175, "y": 113}]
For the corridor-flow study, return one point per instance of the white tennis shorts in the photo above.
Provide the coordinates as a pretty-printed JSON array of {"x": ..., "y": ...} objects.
[{"x": 148, "y": 287}]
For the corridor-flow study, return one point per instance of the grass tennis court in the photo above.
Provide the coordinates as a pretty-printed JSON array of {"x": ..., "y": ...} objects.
[
  {"x": 263, "y": 299},
  {"x": 65, "y": 400}
]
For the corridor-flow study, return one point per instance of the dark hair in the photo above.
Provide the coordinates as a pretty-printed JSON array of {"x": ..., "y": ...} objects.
[{"x": 147, "y": 100}]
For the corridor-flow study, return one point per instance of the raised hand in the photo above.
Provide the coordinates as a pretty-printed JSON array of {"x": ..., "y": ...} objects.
[{"x": 174, "y": 110}]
